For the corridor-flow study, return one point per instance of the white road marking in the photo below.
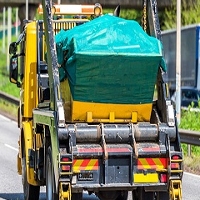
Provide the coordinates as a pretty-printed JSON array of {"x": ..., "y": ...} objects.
[
  {"x": 7, "y": 119},
  {"x": 11, "y": 147},
  {"x": 4, "y": 118},
  {"x": 195, "y": 175}
]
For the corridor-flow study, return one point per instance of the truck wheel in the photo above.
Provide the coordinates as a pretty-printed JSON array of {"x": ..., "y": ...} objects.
[
  {"x": 77, "y": 196},
  {"x": 50, "y": 179},
  {"x": 163, "y": 196},
  {"x": 108, "y": 195},
  {"x": 123, "y": 195},
  {"x": 31, "y": 192},
  {"x": 140, "y": 194}
]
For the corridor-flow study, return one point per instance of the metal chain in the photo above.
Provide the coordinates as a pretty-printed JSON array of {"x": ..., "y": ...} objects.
[{"x": 145, "y": 15}]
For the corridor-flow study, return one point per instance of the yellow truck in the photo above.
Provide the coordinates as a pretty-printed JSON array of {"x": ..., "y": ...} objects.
[{"x": 95, "y": 113}]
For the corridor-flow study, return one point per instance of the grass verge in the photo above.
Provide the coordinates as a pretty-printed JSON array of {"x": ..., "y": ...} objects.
[
  {"x": 191, "y": 164},
  {"x": 8, "y": 109}
]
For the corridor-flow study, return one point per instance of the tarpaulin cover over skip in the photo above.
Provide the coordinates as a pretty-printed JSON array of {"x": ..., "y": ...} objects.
[{"x": 109, "y": 60}]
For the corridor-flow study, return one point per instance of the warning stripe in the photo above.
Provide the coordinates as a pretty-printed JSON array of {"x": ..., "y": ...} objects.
[
  {"x": 85, "y": 164},
  {"x": 152, "y": 163}
]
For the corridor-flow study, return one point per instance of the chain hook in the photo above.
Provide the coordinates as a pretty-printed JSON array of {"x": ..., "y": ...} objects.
[{"x": 145, "y": 15}]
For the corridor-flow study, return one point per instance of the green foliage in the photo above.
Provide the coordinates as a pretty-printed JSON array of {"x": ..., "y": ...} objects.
[
  {"x": 189, "y": 14},
  {"x": 5, "y": 84},
  {"x": 127, "y": 14},
  {"x": 190, "y": 120}
]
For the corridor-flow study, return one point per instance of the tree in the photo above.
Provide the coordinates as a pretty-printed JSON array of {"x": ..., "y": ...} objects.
[{"x": 189, "y": 14}]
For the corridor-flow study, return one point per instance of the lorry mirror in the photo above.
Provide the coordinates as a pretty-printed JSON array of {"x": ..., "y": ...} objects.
[
  {"x": 13, "y": 48},
  {"x": 14, "y": 69},
  {"x": 13, "y": 45}
]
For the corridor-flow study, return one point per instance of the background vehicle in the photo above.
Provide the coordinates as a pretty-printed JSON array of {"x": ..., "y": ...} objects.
[
  {"x": 190, "y": 55},
  {"x": 190, "y": 96},
  {"x": 87, "y": 116}
]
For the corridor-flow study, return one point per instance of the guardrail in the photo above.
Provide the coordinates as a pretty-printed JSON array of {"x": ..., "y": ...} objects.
[
  {"x": 9, "y": 98},
  {"x": 190, "y": 137},
  {"x": 186, "y": 136}
]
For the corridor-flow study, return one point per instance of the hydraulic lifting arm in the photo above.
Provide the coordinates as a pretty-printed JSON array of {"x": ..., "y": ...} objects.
[
  {"x": 150, "y": 12},
  {"x": 56, "y": 102}
]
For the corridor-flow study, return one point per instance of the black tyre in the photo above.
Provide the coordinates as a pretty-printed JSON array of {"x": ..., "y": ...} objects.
[
  {"x": 31, "y": 192},
  {"x": 77, "y": 196},
  {"x": 50, "y": 179},
  {"x": 108, "y": 195},
  {"x": 163, "y": 196},
  {"x": 140, "y": 194},
  {"x": 123, "y": 195}
]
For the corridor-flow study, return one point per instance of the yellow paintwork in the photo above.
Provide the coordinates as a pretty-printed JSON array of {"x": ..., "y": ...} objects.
[
  {"x": 66, "y": 96},
  {"x": 175, "y": 189},
  {"x": 28, "y": 139},
  {"x": 148, "y": 178},
  {"x": 30, "y": 94},
  {"x": 101, "y": 112},
  {"x": 28, "y": 97},
  {"x": 65, "y": 194}
]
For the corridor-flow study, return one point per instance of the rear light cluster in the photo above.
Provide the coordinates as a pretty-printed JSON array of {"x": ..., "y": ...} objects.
[
  {"x": 175, "y": 162},
  {"x": 163, "y": 178},
  {"x": 66, "y": 164},
  {"x": 175, "y": 167}
]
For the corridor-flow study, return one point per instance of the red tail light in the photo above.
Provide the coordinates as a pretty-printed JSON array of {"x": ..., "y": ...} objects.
[
  {"x": 65, "y": 166},
  {"x": 174, "y": 164},
  {"x": 163, "y": 178},
  {"x": 175, "y": 157},
  {"x": 65, "y": 159}
]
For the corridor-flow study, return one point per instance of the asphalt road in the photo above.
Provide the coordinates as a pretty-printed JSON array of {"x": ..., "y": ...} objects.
[{"x": 10, "y": 181}]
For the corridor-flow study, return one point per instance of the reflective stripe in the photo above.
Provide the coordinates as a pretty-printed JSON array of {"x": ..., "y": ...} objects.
[
  {"x": 85, "y": 164},
  {"x": 152, "y": 163}
]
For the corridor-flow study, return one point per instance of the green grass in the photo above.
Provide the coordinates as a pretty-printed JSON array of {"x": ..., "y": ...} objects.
[
  {"x": 5, "y": 85},
  {"x": 8, "y": 109},
  {"x": 191, "y": 121}
]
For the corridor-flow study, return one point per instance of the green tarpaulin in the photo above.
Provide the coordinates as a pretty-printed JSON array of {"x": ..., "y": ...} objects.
[{"x": 109, "y": 60}]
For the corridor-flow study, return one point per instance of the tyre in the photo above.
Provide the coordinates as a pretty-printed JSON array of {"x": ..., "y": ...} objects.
[
  {"x": 140, "y": 194},
  {"x": 108, "y": 195},
  {"x": 50, "y": 179},
  {"x": 163, "y": 196},
  {"x": 77, "y": 196},
  {"x": 31, "y": 192},
  {"x": 123, "y": 195}
]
